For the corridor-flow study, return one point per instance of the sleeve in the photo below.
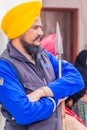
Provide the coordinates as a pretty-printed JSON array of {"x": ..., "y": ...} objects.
[
  {"x": 15, "y": 101},
  {"x": 71, "y": 81}
]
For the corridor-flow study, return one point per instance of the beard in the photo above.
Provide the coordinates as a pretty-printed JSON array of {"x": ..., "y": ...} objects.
[{"x": 31, "y": 49}]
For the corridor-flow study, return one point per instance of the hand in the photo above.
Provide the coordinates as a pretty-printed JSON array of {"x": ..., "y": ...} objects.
[
  {"x": 39, "y": 93},
  {"x": 61, "y": 100},
  {"x": 36, "y": 95}
]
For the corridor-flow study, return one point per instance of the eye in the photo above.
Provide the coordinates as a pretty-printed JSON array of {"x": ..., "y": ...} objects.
[{"x": 35, "y": 27}]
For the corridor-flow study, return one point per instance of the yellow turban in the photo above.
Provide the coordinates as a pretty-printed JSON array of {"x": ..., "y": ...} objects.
[{"x": 20, "y": 18}]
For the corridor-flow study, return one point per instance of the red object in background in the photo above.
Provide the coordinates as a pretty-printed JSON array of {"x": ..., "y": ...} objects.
[
  {"x": 49, "y": 43},
  {"x": 71, "y": 113}
]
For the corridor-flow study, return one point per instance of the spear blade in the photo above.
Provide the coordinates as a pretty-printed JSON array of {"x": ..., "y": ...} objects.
[{"x": 58, "y": 48}]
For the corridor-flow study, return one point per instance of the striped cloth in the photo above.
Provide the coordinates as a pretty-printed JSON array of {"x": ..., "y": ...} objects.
[{"x": 80, "y": 108}]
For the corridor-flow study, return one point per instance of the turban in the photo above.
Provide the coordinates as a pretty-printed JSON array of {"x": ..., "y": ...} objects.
[{"x": 20, "y": 18}]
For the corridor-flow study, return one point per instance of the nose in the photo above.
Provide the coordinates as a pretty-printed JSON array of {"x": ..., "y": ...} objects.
[{"x": 40, "y": 31}]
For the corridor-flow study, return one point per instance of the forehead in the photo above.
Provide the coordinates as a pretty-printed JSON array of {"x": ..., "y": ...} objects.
[{"x": 37, "y": 22}]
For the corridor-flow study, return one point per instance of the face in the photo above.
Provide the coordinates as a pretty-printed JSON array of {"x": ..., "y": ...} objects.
[{"x": 34, "y": 34}]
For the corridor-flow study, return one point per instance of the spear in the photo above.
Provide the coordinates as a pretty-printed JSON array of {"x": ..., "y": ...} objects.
[
  {"x": 59, "y": 48},
  {"x": 59, "y": 52}
]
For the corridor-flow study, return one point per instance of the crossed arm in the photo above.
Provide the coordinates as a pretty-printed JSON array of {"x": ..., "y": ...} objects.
[
  {"x": 39, "y": 93},
  {"x": 21, "y": 107}
]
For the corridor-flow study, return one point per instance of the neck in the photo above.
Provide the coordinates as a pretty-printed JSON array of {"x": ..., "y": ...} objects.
[{"x": 16, "y": 43}]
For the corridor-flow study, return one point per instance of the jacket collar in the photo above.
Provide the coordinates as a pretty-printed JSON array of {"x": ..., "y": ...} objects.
[{"x": 14, "y": 53}]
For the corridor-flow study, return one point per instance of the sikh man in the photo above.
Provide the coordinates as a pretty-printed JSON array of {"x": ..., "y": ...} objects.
[{"x": 29, "y": 83}]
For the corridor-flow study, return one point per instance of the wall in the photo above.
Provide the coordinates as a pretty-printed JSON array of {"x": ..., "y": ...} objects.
[{"x": 81, "y": 6}]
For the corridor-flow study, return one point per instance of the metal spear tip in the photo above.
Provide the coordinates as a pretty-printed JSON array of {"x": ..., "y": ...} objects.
[{"x": 58, "y": 44}]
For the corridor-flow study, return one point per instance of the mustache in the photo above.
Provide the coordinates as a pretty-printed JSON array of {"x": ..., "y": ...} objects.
[{"x": 38, "y": 37}]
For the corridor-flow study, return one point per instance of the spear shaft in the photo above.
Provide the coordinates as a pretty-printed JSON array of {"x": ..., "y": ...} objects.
[{"x": 59, "y": 52}]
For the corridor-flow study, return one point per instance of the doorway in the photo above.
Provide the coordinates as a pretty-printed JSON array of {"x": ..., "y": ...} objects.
[{"x": 68, "y": 22}]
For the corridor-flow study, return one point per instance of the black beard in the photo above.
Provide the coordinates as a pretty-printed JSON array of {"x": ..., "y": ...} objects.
[{"x": 31, "y": 49}]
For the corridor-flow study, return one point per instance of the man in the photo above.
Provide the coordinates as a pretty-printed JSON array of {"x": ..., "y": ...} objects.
[{"x": 29, "y": 83}]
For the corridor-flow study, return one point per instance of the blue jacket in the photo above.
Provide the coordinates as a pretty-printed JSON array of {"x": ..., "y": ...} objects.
[{"x": 15, "y": 101}]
